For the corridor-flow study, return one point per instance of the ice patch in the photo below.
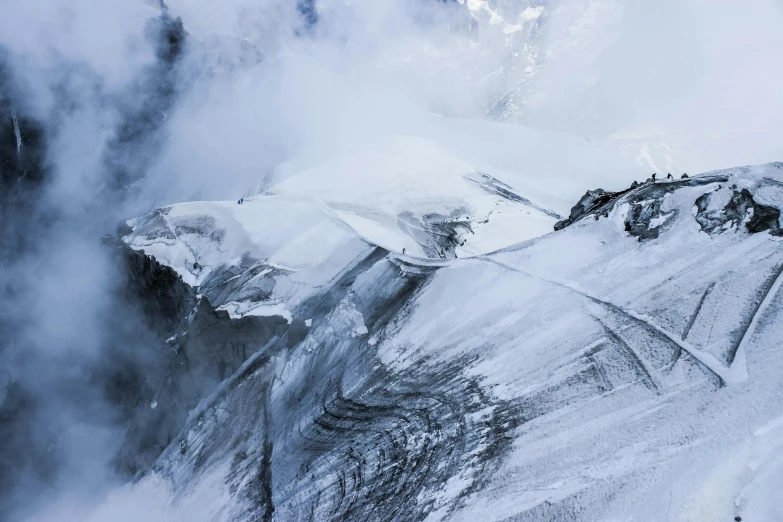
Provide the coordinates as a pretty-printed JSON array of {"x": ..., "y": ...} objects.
[{"x": 249, "y": 308}]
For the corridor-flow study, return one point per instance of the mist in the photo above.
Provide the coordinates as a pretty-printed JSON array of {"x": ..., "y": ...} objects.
[
  {"x": 128, "y": 105},
  {"x": 697, "y": 77}
]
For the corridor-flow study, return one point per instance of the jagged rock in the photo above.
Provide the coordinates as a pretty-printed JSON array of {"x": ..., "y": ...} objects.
[
  {"x": 166, "y": 300},
  {"x": 438, "y": 235},
  {"x": 215, "y": 345},
  {"x": 158, "y": 388},
  {"x": 592, "y": 200},
  {"x": 645, "y": 219},
  {"x": 764, "y": 218},
  {"x": 713, "y": 215},
  {"x": 639, "y": 220}
]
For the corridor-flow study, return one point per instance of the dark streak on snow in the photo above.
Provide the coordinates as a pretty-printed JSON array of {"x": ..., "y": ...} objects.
[
  {"x": 374, "y": 437},
  {"x": 768, "y": 285},
  {"x": 495, "y": 186},
  {"x": 695, "y": 314},
  {"x": 643, "y": 371}
]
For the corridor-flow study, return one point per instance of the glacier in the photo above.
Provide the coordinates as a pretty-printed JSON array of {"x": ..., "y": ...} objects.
[{"x": 600, "y": 372}]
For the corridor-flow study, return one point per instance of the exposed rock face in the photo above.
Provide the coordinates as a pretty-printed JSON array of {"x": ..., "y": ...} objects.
[
  {"x": 158, "y": 389},
  {"x": 23, "y": 167},
  {"x": 25, "y": 447},
  {"x": 714, "y": 213},
  {"x": 648, "y": 213},
  {"x": 308, "y": 11},
  {"x": 640, "y": 219},
  {"x": 166, "y": 300},
  {"x": 214, "y": 346},
  {"x": 592, "y": 200},
  {"x": 716, "y": 210},
  {"x": 134, "y": 380},
  {"x": 143, "y": 112},
  {"x": 438, "y": 235}
]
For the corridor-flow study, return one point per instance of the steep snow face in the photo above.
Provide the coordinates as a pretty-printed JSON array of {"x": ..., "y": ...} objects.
[
  {"x": 596, "y": 372},
  {"x": 254, "y": 258}
]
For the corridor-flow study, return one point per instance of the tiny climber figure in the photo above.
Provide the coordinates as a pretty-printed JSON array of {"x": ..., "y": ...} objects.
[
  {"x": 653, "y": 177},
  {"x": 669, "y": 176},
  {"x": 403, "y": 251}
]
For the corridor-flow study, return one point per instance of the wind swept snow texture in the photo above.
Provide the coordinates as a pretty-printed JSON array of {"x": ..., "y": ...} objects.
[
  {"x": 257, "y": 362},
  {"x": 584, "y": 375}
]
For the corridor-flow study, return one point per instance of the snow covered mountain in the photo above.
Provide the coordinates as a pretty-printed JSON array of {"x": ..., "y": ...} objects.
[
  {"x": 372, "y": 275},
  {"x": 624, "y": 367},
  {"x": 404, "y": 193}
]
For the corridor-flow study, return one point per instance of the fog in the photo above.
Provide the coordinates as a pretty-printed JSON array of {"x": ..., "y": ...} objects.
[
  {"x": 697, "y": 75},
  {"x": 262, "y": 89}
]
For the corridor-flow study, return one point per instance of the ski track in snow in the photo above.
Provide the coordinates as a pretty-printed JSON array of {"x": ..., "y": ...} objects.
[
  {"x": 737, "y": 357},
  {"x": 724, "y": 374}
]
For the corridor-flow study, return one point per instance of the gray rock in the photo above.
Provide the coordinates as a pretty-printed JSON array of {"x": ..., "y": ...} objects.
[
  {"x": 741, "y": 208},
  {"x": 591, "y": 201}
]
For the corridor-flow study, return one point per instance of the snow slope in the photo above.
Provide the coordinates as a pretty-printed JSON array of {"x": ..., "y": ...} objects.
[
  {"x": 456, "y": 191},
  {"x": 256, "y": 258},
  {"x": 624, "y": 368},
  {"x": 394, "y": 193}
]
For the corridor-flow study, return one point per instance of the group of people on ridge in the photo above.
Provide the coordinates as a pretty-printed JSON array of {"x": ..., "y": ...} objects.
[{"x": 669, "y": 176}]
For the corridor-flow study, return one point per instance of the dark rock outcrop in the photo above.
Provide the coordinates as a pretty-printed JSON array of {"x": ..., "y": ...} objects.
[
  {"x": 190, "y": 349},
  {"x": 308, "y": 12},
  {"x": 215, "y": 346},
  {"x": 639, "y": 221},
  {"x": 26, "y": 447},
  {"x": 144, "y": 109},
  {"x": 438, "y": 235},
  {"x": 741, "y": 208},
  {"x": 591, "y": 201},
  {"x": 645, "y": 218},
  {"x": 164, "y": 298},
  {"x": 23, "y": 167}
]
